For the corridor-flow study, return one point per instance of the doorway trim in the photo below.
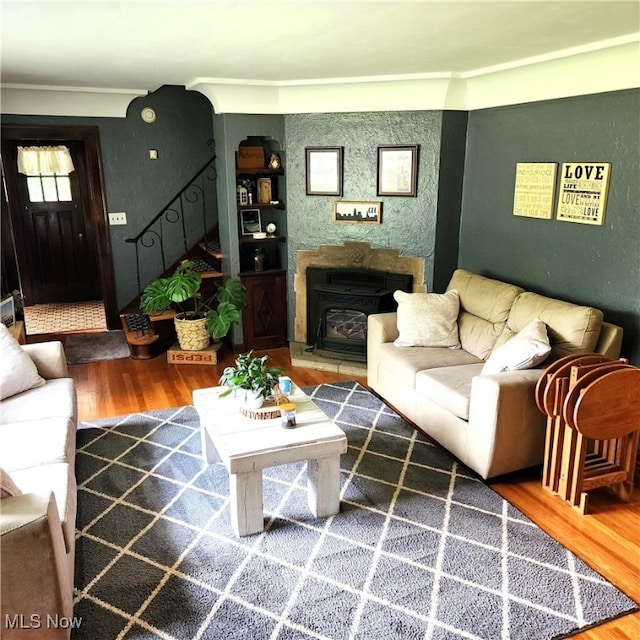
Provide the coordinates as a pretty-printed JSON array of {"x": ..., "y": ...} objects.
[{"x": 90, "y": 136}]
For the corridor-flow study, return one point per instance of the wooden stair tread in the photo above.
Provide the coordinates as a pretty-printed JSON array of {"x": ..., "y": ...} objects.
[
  {"x": 212, "y": 274},
  {"x": 213, "y": 253},
  {"x": 152, "y": 337},
  {"x": 167, "y": 314},
  {"x": 138, "y": 336},
  {"x": 141, "y": 340}
]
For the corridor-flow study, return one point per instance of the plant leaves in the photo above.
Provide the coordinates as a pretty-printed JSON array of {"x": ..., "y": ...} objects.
[
  {"x": 220, "y": 320},
  {"x": 155, "y": 296},
  {"x": 183, "y": 287},
  {"x": 232, "y": 291}
]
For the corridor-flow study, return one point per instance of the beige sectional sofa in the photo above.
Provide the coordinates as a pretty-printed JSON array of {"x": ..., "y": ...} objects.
[
  {"x": 489, "y": 421},
  {"x": 38, "y": 504}
]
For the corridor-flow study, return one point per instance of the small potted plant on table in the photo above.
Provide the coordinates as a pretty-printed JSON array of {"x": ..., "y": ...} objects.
[
  {"x": 253, "y": 377},
  {"x": 203, "y": 319}
]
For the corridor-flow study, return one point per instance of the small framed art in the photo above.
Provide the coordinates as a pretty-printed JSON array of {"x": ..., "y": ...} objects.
[
  {"x": 361, "y": 212},
  {"x": 398, "y": 170},
  {"x": 323, "y": 171},
  {"x": 250, "y": 221}
]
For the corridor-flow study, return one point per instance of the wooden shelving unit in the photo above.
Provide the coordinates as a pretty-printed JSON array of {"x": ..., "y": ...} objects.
[{"x": 264, "y": 318}]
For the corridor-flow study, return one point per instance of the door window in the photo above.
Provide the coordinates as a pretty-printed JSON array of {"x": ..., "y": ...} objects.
[
  {"x": 49, "y": 188},
  {"x": 47, "y": 171}
]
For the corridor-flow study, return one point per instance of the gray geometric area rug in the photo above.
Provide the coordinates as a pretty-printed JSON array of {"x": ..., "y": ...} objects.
[
  {"x": 81, "y": 348},
  {"x": 421, "y": 548}
]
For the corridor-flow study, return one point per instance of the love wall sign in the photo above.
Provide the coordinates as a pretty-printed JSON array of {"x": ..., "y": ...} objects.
[{"x": 583, "y": 192}]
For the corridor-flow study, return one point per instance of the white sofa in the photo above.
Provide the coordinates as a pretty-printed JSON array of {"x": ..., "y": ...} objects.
[
  {"x": 490, "y": 422},
  {"x": 38, "y": 507}
]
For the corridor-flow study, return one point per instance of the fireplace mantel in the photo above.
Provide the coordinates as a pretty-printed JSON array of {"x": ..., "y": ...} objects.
[{"x": 358, "y": 255}]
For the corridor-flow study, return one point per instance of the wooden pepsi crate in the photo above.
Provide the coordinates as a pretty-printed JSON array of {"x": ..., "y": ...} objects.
[{"x": 208, "y": 356}]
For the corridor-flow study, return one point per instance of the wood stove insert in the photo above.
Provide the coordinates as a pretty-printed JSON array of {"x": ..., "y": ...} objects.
[{"x": 338, "y": 303}]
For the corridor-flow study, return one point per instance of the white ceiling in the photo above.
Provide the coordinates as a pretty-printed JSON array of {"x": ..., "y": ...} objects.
[{"x": 142, "y": 45}]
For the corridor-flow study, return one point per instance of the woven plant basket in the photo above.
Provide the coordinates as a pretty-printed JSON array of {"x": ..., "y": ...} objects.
[{"x": 192, "y": 336}]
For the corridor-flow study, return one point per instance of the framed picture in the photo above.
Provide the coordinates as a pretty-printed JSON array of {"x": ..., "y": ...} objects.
[
  {"x": 361, "y": 212},
  {"x": 250, "y": 221},
  {"x": 535, "y": 189},
  {"x": 584, "y": 187},
  {"x": 398, "y": 170},
  {"x": 324, "y": 171}
]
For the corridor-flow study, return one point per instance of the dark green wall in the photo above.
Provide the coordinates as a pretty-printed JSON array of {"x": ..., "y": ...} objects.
[
  {"x": 183, "y": 137},
  {"x": 452, "y": 151},
  {"x": 593, "y": 265}
]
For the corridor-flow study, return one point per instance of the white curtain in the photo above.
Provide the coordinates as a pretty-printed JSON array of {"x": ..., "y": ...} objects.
[{"x": 33, "y": 161}]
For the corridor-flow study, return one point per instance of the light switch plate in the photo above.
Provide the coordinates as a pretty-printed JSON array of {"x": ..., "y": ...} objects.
[{"x": 118, "y": 218}]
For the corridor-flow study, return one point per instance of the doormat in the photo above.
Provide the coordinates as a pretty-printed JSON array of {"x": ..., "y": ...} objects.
[
  {"x": 62, "y": 317},
  {"x": 92, "y": 347}
]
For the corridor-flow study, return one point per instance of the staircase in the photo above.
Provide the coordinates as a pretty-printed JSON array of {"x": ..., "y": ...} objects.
[{"x": 151, "y": 335}]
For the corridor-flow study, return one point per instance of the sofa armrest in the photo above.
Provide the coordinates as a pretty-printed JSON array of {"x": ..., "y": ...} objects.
[
  {"x": 34, "y": 566},
  {"x": 381, "y": 328},
  {"x": 49, "y": 359},
  {"x": 610, "y": 340},
  {"x": 506, "y": 428}
]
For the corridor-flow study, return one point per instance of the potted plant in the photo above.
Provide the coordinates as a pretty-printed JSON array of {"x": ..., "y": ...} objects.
[
  {"x": 252, "y": 375},
  {"x": 199, "y": 319}
]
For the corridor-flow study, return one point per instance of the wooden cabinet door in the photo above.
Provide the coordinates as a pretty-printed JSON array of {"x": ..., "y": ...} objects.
[{"x": 264, "y": 317}]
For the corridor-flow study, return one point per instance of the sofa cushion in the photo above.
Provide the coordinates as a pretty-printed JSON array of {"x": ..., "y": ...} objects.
[
  {"x": 36, "y": 442},
  {"x": 571, "y": 328},
  {"x": 402, "y": 364},
  {"x": 56, "y": 398},
  {"x": 484, "y": 308},
  {"x": 17, "y": 370},
  {"x": 427, "y": 319},
  {"x": 524, "y": 350},
  {"x": 7, "y": 486},
  {"x": 449, "y": 387}
]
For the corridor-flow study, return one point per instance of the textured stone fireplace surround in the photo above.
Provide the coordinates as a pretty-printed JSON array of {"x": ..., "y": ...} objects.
[{"x": 356, "y": 255}]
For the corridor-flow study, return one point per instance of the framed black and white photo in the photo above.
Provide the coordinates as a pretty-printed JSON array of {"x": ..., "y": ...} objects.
[
  {"x": 250, "y": 221},
  {"x": 324, "y": 171},
  {"x": 398, "y": 170}
]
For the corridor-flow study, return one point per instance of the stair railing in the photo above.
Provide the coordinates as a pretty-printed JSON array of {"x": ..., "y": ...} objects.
[{"x": 155, "y": 234}]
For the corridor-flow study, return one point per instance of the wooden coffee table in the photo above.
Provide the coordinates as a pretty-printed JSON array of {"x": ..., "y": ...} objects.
[{"x": 246, "y": 446}]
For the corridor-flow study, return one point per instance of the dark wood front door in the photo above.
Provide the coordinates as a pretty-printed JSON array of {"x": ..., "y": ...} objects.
[
  {"x": 61, "y": 246},
  {"x": 58, "y": 249}
]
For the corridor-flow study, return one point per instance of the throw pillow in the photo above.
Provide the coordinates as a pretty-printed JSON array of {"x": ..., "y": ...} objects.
[
  {"x": 428, "y": 319},
  {"x": 525, "y": 350},
  {"x": 7, "y": 485},
  {"x": 18, "y": 372}
]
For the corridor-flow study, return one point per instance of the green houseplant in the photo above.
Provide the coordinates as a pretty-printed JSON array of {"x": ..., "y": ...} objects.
[
  {"x": 253, "y": 375},
  {"x": 199, "y": 319}
]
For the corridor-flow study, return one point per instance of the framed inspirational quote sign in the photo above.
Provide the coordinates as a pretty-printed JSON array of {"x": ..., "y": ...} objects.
[
  {"x": 535, "y": 189},
  {"x": 583, "y": 192}
]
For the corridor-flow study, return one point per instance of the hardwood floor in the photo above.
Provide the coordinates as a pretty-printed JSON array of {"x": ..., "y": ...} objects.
[{"x": 608, "y": 539}]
